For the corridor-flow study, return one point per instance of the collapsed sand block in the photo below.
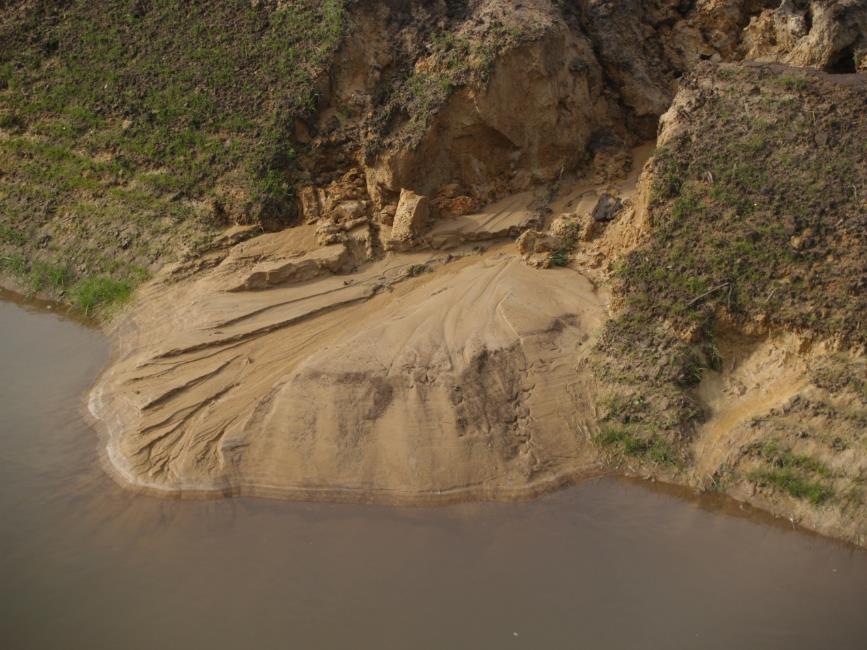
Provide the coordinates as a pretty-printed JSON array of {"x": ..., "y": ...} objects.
[
  {"x": 311, "y": 203},
  {"x": 534, "y": 241},
  {"x": 329, "y": 232},
  {"x": 350, "y": 210},
  {"x": 536, "y": 247},
  {"x": 409, "y": 220},
  {"x": 269, "y": 273},
  {"x": 508, "y": 217}
]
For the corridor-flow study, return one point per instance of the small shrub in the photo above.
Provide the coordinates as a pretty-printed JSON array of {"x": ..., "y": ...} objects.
[{"x": 559, "y": 257}]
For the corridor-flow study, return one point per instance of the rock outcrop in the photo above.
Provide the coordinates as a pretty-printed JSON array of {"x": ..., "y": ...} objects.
[
  {"x": 409, "y": 220},
  {"x": 829, "y": 34}
]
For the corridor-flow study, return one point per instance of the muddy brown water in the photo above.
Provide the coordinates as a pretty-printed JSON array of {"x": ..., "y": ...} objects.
[{"x": 607, "y": 564}]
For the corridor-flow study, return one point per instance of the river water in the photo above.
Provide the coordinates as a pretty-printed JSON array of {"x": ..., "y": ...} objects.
[{"x": 607, "y": 564}]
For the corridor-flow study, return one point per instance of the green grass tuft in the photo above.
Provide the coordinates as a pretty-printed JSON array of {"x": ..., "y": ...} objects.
[
  {"x": 784, "y": 458},
  {"x": 794, "y": 484},
  {"x": 652, "y": 448},
  {"x": 101, "y": 293},
  {"x": 559, "y": 258},
  {"x": 44, "y": 276},
  {"x": 796, "y": 474}
]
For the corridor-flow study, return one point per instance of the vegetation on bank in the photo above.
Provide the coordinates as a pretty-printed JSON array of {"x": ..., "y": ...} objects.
[
  {"x": 127, "y": 127},
  {"x": 801, "y": 476},
  {"x": 763, "y": 219},
  {"x": 629, "y": 440},
  {"x": 758, "y": 214},
  {"x": 92, "y": 295}
]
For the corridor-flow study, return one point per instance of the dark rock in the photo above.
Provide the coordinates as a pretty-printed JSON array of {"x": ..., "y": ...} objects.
[{"x": 608, "y": 207}]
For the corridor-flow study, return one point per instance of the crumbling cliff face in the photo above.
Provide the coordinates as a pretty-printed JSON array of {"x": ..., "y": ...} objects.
[
  {"x": 468, "y": 102},
  {"x": 501, "y": 98},
  {"x": 389, "y": 341},
  {"x": 825, "y": 34},
  {"x": 334, "y": 109}
]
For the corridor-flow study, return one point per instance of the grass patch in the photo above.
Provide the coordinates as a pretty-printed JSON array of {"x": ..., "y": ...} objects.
[
  {"x": 13, "y": 236},
  {"x": 652, "y": 448},
  {"x": 14, "y": 264},
  {"x": 172, "y": 70},
  {"x": 791, "y": 82},
  {"x": 44, "y": 276},
  {"x": 784, "y": 458},
  {"x": 796, "y": 474},
  {"x": 127, "y": 123},
  {"x": 793, "y": 483},
  {"x": 92, "y": 295},
  {"x": 37, "y": 276},
  {"x": 101, "y": 293}
]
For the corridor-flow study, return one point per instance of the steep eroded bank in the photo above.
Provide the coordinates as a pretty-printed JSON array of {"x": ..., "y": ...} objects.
[
  {"x": 347, "y": 316},
  {"x": 735, "y": 360}
]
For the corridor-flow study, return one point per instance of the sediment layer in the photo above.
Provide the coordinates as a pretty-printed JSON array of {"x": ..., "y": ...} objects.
[{"x": 460, "y": 380}]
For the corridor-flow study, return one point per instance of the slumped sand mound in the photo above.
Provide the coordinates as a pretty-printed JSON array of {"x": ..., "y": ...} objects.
[{"x": 385, "y": 384}]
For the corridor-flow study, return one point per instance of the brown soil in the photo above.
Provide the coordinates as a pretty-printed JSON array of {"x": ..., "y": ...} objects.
[{"x": 421, "y": 377}]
